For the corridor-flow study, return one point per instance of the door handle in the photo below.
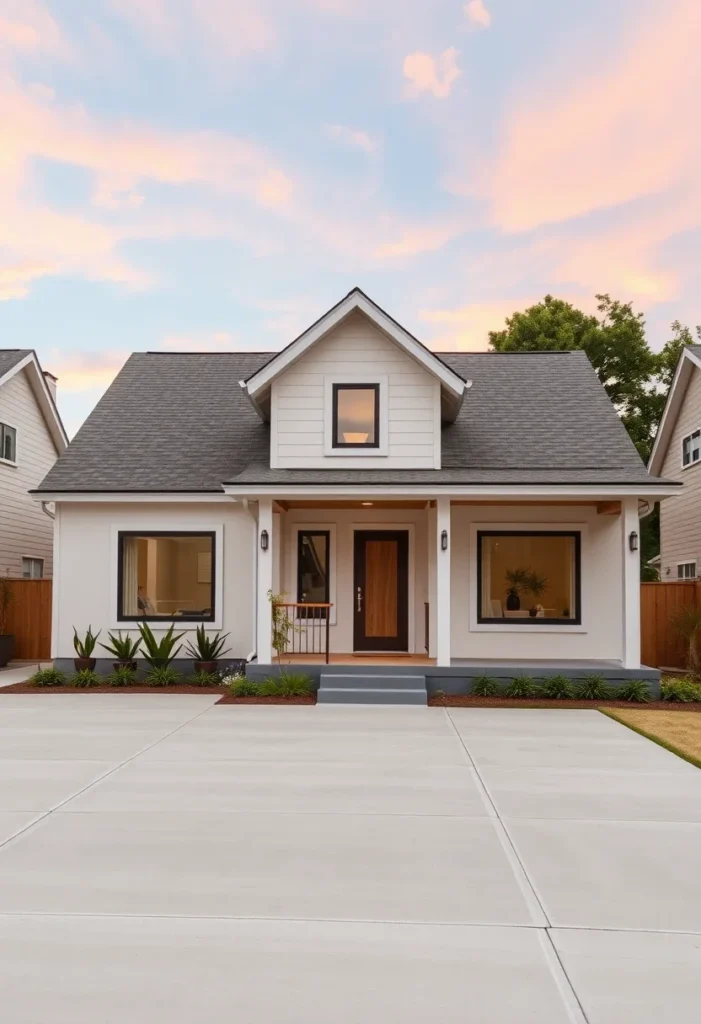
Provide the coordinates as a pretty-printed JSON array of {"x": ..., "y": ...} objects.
[{"x": 360, "y": 600}]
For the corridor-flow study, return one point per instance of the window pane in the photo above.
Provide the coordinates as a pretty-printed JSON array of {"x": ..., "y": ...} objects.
[
  {"x": 686, "y": 451},
  {"x": 9, "y": 443},
  {"x": 355, "y": 416},
  {"x": 528, "y": 577},
  {"x": 167, "y": 577},
  {"x": 695, "y": 446},
  {"x": 313, "y": 570}
]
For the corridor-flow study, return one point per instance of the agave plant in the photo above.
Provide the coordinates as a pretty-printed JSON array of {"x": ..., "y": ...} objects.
[
  {"x": 122, "y": 648},
  {"x": 206, "y": 648},
  {"x": 159, "y": 653},
  {"x": 85, "y": 647}
]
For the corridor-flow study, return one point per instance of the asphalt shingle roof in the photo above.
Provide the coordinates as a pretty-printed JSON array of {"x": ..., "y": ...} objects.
[
  {"x": 9, "y": 357},
  {"x": 180, "y": 422}
]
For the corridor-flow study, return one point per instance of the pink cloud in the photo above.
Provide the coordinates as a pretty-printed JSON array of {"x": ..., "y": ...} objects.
[
  {"x": 435, "y": 75},
  {"x": 350, "y": 137},
  {"x": 79, "y": 371},
  {"x": 27, "y": 26},
  {"x": 477, "y": 13},
  {"x": 466, "y": 328}
]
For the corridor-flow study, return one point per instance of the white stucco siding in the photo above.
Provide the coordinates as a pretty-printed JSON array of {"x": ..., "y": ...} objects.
[
  {"x": 25, "y": 529},
  {"x": 680, "y": 517},
  {"x": 343, "y": 523},
  {"x": 86, "y": 575},
  {"x": 601, "y": 634},
  {"x": 356, "y": 348}
]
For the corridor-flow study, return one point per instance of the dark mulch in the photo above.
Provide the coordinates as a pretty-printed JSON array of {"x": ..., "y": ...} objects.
[
  {"x": 180, "y": 688},
  {"x": 505, "y": 702}
]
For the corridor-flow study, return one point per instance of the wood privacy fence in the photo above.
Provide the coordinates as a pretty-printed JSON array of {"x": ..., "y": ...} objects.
[
  {"x": 30, "y": 618},
  {"x": 662, "y": 645}
]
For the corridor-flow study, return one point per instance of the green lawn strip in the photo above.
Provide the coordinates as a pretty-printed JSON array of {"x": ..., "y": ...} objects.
[{"x": 655, "y": 739}]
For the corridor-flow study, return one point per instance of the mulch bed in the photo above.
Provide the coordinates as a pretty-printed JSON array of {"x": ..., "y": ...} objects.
[
  {"x": 180, "y": 688},
  {"x": 505, "y": 702}
]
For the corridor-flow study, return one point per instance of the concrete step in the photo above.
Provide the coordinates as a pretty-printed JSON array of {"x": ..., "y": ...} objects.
[
  {"x": 371, "y": 695},
  {"x": 364, "y": 681}
]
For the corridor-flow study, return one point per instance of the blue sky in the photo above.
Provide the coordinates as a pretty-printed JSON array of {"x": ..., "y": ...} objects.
[{"x": 202, "y": 174}]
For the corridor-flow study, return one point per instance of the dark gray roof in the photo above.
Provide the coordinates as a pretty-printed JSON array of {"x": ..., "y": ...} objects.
[
  {"x": 180, "y": 422},
  {"x": 9, "y": 357}
]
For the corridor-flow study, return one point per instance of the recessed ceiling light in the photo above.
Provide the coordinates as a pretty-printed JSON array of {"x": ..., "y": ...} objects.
[{"x": 366, "y": 503}]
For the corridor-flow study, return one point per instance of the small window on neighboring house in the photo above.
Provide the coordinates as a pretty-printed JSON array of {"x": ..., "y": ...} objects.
[
  {"x": 33, "y": 568},
  {"x": 686, "y": 571},
  {"x": 8, "y": 443},
  {"x": 356, "y": 416},
  {"x": 691, "y": 448}
]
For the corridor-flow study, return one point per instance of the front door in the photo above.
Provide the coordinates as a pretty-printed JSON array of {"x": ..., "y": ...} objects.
[{"x": 381, "y": 590}]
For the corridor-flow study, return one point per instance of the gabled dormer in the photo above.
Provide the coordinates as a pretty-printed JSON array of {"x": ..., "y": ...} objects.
[{"x": 356, "y": 390}]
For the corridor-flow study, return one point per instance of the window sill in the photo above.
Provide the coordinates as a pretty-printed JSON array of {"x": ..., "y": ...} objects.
[
  {"x": 8, "y": 462},
  {"x": 484, "y": 627}
]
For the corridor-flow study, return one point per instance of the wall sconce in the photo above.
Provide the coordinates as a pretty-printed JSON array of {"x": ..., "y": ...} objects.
[
  {"x": 264, "y": 540},
  {"x": 633, "y": 541},
  {"x": 444, "y": 540}
]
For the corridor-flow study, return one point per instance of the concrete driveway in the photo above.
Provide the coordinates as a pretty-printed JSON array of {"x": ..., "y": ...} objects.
[{"x": 163, "y": 859}]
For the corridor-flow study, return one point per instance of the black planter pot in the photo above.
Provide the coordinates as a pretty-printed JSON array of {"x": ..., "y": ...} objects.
[
  {"x": 7, "y": 648},
  {"x": 513, "y": 601},
  {"x": 205, "y": 666},
  {"x": 82, "y": 663}
]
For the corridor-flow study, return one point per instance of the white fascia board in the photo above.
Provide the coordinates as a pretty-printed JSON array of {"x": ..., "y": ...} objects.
[
  {"x": 677, "y": 389},
  {"x": 43, "y": 396},
  {"x": 279, "y": 363},
  {"x": 150, "y": 497},
  {"x": 597, "y": 492}
]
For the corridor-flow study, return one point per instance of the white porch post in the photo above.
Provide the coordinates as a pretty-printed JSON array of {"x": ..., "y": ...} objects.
[
  {"x": 630, "y": 523},
  {"x": 264, "y": 562},
  {"x": 442, "y": 601}
]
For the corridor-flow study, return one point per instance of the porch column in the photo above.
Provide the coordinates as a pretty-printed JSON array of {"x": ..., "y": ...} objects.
[
  {"x": 264, "y": 562},
  {"x": 630, "y": 523},
  {"x": 442, "y": 600}
]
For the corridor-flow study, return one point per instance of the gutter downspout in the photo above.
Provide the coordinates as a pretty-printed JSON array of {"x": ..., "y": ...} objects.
[
  {"x": 246, "y": 504},
  {"x": 46, "y": 510}
]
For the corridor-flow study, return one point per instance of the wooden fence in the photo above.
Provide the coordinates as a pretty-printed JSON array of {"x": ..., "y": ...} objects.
[
  {"x": 662, "y": 645},
  {"x": 30, "y": 619}
]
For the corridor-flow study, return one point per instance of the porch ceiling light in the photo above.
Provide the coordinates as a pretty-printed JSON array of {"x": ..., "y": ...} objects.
[
  {"x": 633, "y": 541},
  {"x": 366, "y": 503},
  {"x": 264, "y": 540}
]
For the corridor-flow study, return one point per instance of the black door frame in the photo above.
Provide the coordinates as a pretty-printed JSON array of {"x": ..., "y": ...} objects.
[{"x": 361, "y": 642}]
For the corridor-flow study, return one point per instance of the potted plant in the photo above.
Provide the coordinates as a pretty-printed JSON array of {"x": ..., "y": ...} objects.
[
  {"x": 206, "y": 650},
  {"x": 159, "y": 653},
  {"x": 84, "y": 649},
  {"x": 124, "y": 649},
  {"x": 537, "y": 585},
  {"x": 7, "y": 640},
  {"x": 516, "y": 583}
]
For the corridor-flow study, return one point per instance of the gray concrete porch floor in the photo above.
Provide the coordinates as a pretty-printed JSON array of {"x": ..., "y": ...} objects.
[{"x": 165, "y": 859}]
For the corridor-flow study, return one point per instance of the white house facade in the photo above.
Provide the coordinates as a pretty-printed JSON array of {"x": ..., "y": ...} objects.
[{"x": 449, "y": 514}]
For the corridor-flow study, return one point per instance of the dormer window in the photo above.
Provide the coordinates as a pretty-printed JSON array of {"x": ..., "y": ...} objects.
[{"x": 356, "y": 416}]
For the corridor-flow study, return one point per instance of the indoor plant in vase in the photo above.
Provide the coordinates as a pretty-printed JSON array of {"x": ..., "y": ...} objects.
[
  {"x": 124, "y": 649},
  {"x": 537, "y": 585},
  {"x": 516, "y": 583},
  {"x": 206, "y": 650},
  {"x": 84, "y": 649},
  {"x": 7, "y": 640}
]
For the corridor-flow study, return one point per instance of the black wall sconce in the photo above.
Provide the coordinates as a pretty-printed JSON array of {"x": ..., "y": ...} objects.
[
  {"x": 264, "y": 540},
  {"x": 444, "y": 540},
  {"x": 633, "y": 541}
]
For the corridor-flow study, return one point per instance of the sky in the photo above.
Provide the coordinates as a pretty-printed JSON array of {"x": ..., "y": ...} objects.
[{"x": 215, "y": 174}]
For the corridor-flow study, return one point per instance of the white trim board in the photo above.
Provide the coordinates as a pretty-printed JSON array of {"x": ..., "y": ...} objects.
[
  {"x": 373, "y": 492},
  {"x": 382, "y": 380}
]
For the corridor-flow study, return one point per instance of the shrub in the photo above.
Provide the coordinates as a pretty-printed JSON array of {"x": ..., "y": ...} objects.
[
  {"x": 558, "y": 688},
  {"x": 159, "y": 653},
  {"x": 239, "y": 686},
  {"x": 85, "y": 679},
  {"x": 484, "y": 686},
  {"x": 122, "y": 648},
  {"x": 162, "y": 675},
  {"x": 268, "y": 688},
  {"x": 635, "y": 690},
  {"x": 593, "y": 687},
  {"x": 206, "y": 648},
  {"x": 122, "y": 676},
  {"x": 523, "y": 688},
  {"x": 680, "y": 691},
  {"x": 85, "y": 647},
  {"x": 204, "y": 679},
  {"x": 294, "y": 684},
  {"x": 48, "y": 677}
]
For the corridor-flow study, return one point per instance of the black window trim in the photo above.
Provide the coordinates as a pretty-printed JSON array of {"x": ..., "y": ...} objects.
[
  {"x": 510, "y": 623},
  {"x": 363, "y": 445},
  {"x": 321, "y": 613},
  {"x": 147, "y": 534}
]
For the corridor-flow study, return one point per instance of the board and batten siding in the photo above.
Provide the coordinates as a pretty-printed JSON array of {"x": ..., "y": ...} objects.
[
  {"x": 355, "y": 346},
  {"x": 25, "y": 529},
  {"x": 680, "y": 517}
]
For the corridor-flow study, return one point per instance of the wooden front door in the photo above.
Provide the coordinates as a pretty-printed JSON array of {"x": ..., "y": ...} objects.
[{"x": 381, "y": 590}]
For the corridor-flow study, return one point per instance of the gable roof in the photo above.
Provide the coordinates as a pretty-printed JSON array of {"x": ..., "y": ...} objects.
[
  {"x": 179, "y": 423},
  {"x": 689, "y": 360},
  {"x": 453, "y": 385},
  {"x": 12, "y": 361}
]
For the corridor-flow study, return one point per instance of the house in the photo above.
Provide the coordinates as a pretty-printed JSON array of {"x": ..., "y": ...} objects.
[
  {"x": 432, "y": 515},
  {"x": 31, "y": 438},
  {"x": 676, "y": 455}
]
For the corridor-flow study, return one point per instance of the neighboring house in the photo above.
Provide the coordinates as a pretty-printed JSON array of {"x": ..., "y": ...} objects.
[
  {"x": 406, "y": 490},
  {"x": 676, "y": 455},
  {"x": 31, "y": 438}
]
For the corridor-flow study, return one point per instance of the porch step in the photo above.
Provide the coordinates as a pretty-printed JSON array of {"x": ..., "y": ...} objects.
[{"x": 368, "y": 689}]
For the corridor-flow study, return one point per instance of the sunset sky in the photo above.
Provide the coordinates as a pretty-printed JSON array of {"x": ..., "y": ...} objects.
[{"x": 195, "y": 174}]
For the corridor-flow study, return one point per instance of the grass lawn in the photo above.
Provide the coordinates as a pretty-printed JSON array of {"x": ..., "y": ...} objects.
[{"x": 678, "y": 731}]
